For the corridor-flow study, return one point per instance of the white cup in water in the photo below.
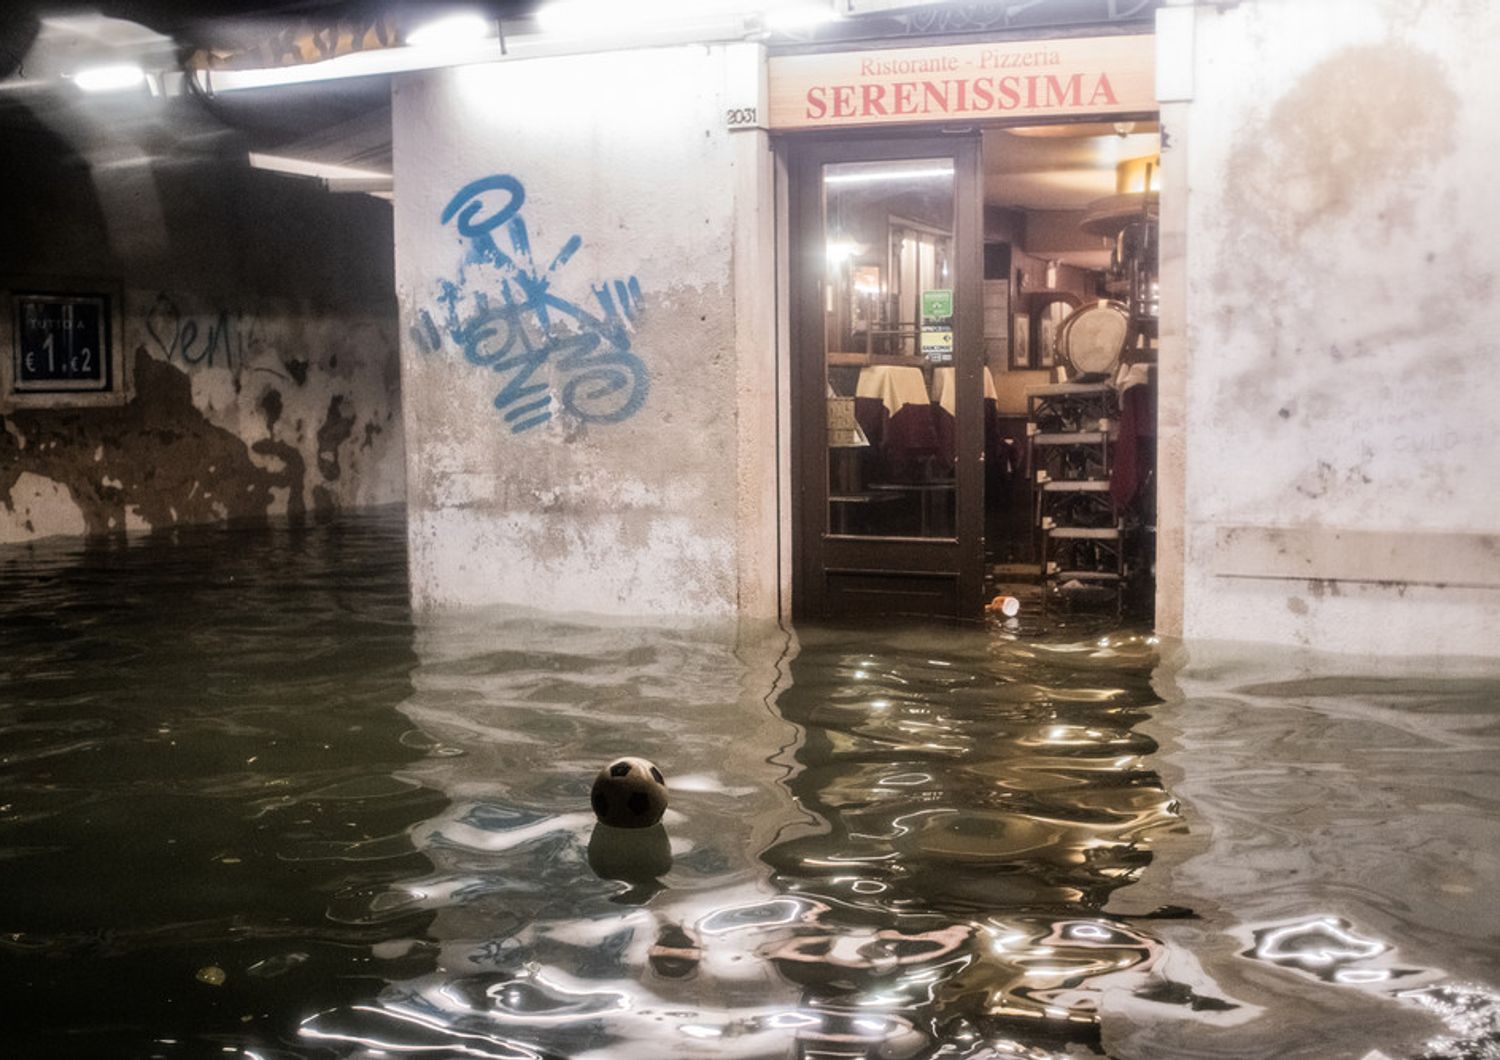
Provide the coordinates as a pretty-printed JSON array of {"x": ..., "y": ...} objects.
[{"x": 1008, "y": 606}]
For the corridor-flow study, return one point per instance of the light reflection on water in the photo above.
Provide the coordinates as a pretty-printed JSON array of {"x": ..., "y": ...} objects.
[{"x": 249, "y": 806}]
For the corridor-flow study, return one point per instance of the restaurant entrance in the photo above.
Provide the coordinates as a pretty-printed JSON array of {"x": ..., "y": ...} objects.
[
  {"x": 972, "y": 281},
  {"x": 973, "y": 325},
  {"x": 888, "y": 461}
]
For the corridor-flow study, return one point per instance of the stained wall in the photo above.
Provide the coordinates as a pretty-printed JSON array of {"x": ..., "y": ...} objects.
[
  {"x": 587, "y": 294},
  {"x": 259, "y": 346},
  {"x": 1334, "y": 438}
]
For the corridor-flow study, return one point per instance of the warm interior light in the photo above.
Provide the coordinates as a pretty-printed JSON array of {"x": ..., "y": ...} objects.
[
  {"x": 840, "y": 250},
  {"x": 112, "y": 78},
  {"x": 1081, "y": 130},
  {"x": 1135, "y": 175},
  {"x": 450, "y": 30}
]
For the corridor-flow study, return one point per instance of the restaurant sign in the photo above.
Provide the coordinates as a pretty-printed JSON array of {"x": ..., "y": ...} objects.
[{"x": 1069, "y": 77}]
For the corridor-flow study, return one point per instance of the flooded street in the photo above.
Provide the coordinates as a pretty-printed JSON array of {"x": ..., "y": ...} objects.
[{"x": 250, "y": 805}]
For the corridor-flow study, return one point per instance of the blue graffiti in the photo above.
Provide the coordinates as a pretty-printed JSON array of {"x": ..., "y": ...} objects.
[{"x": 523, "y": 325}]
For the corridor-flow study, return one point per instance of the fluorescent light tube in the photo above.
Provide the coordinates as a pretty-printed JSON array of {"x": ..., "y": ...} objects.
[
  {"x": 894, "y": 173},
  {"x": 798, "y": 16},
  {"x": 607, "y": 16},
  {"x": 112, "y": 78},
  {"x": 302, "y": 167},
  {"x": 460, "y": 29}
]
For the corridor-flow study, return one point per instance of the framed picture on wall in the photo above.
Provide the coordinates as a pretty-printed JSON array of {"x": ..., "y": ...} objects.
[
  {"x": 1049, "y": 323},
  {"x": 1020, "y": 341}
]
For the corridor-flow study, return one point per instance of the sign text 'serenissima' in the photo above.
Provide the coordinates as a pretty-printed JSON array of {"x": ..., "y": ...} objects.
[{"x": 1072, "y": 77}]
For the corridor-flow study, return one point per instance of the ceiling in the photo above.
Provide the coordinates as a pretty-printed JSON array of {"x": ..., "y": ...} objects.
[
  {"x": 1059, "y": 167},
  {"x": 1052, "y": 173},
  {"x": 346, "y": 122}
]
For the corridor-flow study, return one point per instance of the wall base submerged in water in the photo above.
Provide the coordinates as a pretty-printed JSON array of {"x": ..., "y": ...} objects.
[
  {"x": 258, "y": 341},
  {"x": 585, "y": 338},
  {"x": 214, "y": 443},
  {"x": 1333, "y": 423}
]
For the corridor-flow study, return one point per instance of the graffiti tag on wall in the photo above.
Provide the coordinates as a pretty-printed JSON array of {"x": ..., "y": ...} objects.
[
  {"x": 519, "y": 326},
  {"x": 223, "y": 335},
  {"x": 228, "y": 337}
]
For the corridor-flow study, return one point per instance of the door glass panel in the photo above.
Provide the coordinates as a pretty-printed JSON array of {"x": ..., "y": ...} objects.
[{"x": 888, "y": 347}]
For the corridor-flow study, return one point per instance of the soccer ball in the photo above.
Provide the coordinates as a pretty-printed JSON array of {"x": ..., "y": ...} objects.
[{"x": 629, "y": 793}]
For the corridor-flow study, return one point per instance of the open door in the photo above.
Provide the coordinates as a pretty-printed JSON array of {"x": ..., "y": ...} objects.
[{"x": 888, "y": 377}]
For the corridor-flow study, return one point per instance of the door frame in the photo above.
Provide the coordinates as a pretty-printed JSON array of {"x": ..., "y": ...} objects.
[{"x": 817, "y": 552}]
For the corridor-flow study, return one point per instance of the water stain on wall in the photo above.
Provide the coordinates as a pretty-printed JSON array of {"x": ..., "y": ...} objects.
[
  {"x": 158, "y": 457},
  {"x": 1358, "y": 125},
  {"x": 337, "y": 428},
  {"x": 1343, "y": 159}
]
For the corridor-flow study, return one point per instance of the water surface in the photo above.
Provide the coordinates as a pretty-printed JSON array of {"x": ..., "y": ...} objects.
[{"x": 250, "y": 806}]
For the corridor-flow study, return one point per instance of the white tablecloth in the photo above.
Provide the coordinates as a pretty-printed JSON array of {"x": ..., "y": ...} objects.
[
  {"x": 944, "y": 389},
  {"x": 894, "y": 385}
]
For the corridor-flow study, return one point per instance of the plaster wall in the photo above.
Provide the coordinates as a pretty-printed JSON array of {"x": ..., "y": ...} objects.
[
  {"x": 585, "y": 278},
  {"x": 1341, "y": 250},
  {"x": 258, "y": 339}
]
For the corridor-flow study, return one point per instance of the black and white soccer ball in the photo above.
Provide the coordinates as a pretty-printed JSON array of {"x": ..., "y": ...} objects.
[{"x": 629, "y": 793}]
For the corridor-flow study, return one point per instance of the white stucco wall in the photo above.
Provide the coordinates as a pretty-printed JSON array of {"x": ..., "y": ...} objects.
[
  {"x": 1342, "y": 313},
  {"x": 649, "y": 488}
]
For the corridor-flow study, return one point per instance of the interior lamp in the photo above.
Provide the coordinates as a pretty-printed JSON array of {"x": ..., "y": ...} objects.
[
  {"x": 1134, "y": 174},
  {"x": 841, "y": 250}
]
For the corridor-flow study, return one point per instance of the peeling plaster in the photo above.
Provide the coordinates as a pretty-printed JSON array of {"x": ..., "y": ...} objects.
[
  {"x": 180, "y": 402},
  {"x": 264, "y": 307},
  {"x": 41, "y": 506},
  {"x": 157, "y": 452}
]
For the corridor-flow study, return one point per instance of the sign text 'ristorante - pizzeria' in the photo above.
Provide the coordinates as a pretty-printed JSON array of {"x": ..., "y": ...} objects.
[{"x": 1077, "y": 76}]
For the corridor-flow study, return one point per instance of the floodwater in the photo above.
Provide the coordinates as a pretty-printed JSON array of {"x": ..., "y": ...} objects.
[{"x": 251, "y": 806}]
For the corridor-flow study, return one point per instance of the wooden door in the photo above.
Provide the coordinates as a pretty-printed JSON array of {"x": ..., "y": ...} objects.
[{"x": 886, "y": 276}]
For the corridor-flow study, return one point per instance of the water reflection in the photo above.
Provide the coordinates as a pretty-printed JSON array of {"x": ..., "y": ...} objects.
[
  {"x": 638, "y": 856},
  {"x": 196, "y": 768},
  {"x": 1324, "y": 946},
  {"x": 976, "y": 781},
  {"x": 1346, "y": 819},
  {"x": 875, "y": 848},
  {"x": 1470, "y": 1015},
  {"x": 245, "y": 818}
]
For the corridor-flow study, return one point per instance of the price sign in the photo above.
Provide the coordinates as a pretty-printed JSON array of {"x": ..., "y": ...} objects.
[{"x": 62, "y": 343}]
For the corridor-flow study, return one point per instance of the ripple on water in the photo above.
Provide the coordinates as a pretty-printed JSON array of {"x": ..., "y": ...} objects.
[{"x": 240, "y": 752}]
